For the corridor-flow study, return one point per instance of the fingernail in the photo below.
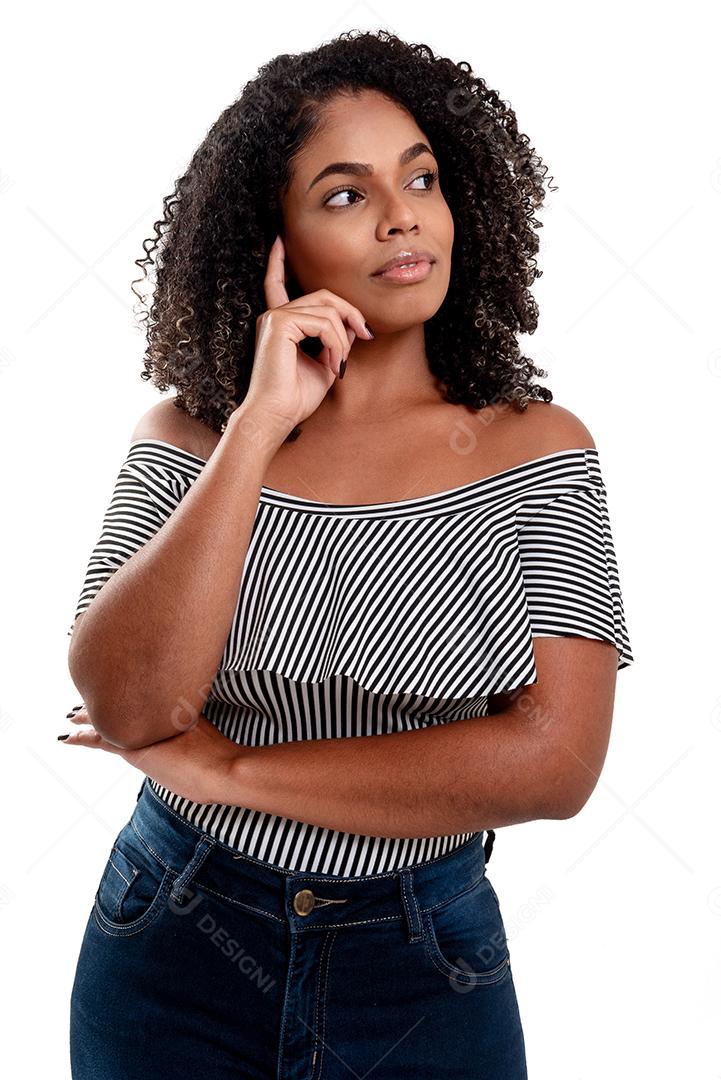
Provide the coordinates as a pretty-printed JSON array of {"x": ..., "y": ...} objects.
[
  {"x": 369, "y": 330},
  {"x": 342, "y": 369},
  {"x": 63, "y": 736}
]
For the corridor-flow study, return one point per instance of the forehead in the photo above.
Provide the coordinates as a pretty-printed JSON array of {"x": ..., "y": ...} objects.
[{"x": 365, "y": 127}]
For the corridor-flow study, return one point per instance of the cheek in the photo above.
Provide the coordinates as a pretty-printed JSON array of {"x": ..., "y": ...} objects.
[
  {"x": 334, "y": 260},
  {"x": 447, "y": 224}
]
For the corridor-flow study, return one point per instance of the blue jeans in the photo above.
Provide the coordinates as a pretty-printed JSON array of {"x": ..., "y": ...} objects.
[{"x": 203, "y": 963}]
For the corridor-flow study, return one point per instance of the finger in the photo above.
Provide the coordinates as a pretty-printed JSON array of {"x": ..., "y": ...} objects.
[
  {"x": 276, "y": 293},
  {"x": 345, "y": 340},
  {"x": 345, "y": 333},
  {"x": 328, "y": 327},
  {"x": 88, "y": 736},
  {"x": 350, "y": 314},
  {"x": 324, "y": 355}
]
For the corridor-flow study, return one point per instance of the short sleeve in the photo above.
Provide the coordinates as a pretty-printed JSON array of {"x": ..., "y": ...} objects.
[
  {"x": 570, "y": 571},
  {"x": 142, "y": 500}
]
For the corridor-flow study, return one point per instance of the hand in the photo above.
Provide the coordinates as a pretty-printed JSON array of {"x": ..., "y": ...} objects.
[
  {"x": 286, "y": 384},
  {"x": 196, "y": 764}
]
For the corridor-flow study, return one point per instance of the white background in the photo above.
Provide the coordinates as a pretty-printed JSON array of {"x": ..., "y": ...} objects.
[{"x": 614, "y": 916}]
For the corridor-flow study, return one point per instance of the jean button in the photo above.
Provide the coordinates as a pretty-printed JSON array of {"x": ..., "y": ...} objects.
[{"x": 304, "y": 902}]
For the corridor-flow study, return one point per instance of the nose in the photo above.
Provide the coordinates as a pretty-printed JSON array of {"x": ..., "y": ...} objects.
[{"x": 397, "y": 216}]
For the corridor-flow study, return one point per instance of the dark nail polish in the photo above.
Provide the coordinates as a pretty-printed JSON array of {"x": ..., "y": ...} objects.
[
  {"x": 342, "y": 369},
  {"x": 369, "y": 329},
  {"x": 63, "y": 736}
]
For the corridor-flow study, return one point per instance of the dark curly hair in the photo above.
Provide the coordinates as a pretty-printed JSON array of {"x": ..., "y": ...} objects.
[{"x": 219, "y": 224}]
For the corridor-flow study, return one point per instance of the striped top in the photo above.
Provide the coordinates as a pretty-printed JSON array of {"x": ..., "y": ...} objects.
[{"x": 365, "y": 619}]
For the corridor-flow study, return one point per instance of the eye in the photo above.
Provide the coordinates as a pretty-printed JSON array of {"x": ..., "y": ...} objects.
[{"x": 431, "y": 176}]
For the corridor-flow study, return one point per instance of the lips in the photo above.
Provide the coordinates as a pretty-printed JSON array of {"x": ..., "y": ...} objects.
[{"x": 405, "y": 257}]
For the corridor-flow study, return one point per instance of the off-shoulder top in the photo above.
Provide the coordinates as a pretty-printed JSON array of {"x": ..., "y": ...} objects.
[{"x": 364, "y": 619}]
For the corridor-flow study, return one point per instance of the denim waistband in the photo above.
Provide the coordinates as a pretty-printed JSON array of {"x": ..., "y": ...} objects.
[{"x": 303, "y": 901}]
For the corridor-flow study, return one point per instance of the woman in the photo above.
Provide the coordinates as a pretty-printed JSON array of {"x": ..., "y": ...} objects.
[{"x": 430, "y": 566}]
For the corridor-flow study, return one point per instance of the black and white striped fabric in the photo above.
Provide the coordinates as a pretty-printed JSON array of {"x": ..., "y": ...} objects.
[{"x": 375, "y": 618}]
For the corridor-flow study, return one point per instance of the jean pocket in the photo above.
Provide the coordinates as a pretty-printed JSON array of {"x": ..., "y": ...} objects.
[
  {"x": 465, "y": 938},
  {"x": 134, "y": 886}
]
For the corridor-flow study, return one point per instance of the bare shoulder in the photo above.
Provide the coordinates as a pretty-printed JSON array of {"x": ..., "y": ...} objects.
[
  {"x": 545, "y": 427},
  {"x": 168, "y": 423}
]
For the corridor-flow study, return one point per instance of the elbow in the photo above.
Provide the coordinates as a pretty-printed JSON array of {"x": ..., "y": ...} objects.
[
  {"x": 569, "y": 775},
  {"x": 114, "y": 728},
  {"x": 562, "y": 797},
  {"x": 566, "y": 811},
  {"x": 132, "y": 728},
  {"x": 570, "y": 802},
  {"x": 120, "y": 725},
  {"x": 121, "y": 736},
  {"x": 128, "y": 742}
]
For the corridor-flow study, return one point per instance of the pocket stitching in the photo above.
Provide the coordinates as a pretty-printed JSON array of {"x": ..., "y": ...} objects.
[
  {"x": 116, "y": 929},
  {"x": 119, "y": 872},
  {"x": 436, "y": 955},
  {"x": 451, "y": 971},
  {"x": 113, "y": 927},
  {"x": 146, "y": 845}
]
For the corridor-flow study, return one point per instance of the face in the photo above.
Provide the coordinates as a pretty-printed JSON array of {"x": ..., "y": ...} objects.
[{"x": 341, "y": 226}]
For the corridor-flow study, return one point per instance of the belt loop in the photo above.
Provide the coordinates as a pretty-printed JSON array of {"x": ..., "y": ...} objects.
[
  {"x": 488, "y": 846},
  {"x": 410, "y": 905},
  {"x": 202, "y": 848}
]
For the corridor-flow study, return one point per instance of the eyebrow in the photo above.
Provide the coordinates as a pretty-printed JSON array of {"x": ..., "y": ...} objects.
[{"x": 357, "y": 168}]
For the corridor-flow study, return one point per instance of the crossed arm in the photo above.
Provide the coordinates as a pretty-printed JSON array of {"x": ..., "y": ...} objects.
[{"x": 539, "y": 756}]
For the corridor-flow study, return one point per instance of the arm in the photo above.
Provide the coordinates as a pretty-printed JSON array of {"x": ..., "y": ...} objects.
[
  {"x": 539, "y": 758},
  {"x": 144, "y": 654}
]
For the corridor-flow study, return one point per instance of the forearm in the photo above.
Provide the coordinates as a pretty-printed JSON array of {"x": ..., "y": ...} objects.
[
  {"x": 463, "y": 776},
  {"x": 147, "y": 649}
]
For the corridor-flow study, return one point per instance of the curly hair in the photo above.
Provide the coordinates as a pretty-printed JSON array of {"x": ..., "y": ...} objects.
[{"x": 211, "y": 246}]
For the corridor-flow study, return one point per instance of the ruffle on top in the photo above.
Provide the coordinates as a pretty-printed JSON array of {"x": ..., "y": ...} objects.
[{"x": 438, "y": 596}]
